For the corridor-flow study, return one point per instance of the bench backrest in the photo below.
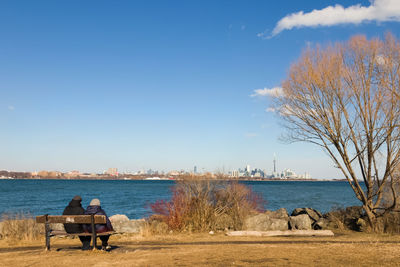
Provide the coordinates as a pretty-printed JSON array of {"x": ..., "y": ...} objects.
[{"x": 80, "y": 219}]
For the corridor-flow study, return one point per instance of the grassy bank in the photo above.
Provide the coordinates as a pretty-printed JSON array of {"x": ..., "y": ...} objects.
[{"x": 346, "y": 248}]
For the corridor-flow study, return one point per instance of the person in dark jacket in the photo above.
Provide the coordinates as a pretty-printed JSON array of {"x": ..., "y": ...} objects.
[
  {"x": 75, "y": 208},
  {"x": 95, "y": 208}
]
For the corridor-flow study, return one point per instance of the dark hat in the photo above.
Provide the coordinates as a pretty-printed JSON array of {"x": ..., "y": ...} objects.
[{"x": 77, "y": 198}]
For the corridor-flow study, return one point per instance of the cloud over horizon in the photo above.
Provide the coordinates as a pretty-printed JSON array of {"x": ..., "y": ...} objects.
[{"x": 378, "y": 10}]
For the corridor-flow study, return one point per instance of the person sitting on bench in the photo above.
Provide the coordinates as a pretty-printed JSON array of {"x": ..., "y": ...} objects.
[
  {"x": 95, "y": 208},
  {"x": 75, "y": 208}
]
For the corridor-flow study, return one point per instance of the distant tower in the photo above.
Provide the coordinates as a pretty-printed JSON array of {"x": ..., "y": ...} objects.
[
  {"x": 274, "y": 163},
  {"x": 248, "y": 168},
  {"x": 195, "y": 169}
]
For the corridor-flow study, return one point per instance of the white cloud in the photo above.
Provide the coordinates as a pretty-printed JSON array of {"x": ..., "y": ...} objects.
[
  {"x": 11, "y": 108},
  {"x": 275, "y": 91},
  {"x": 270, "y": 109},
  {"x": 378, "y": 10}
]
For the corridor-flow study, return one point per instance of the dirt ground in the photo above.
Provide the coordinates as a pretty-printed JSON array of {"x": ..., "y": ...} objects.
[{"x": 344, "y": 249}]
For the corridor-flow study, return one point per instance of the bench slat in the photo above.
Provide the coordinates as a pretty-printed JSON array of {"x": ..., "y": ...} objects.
[
  {"x": 80, "y": 219},
  {"x": 54, "y": 233}
]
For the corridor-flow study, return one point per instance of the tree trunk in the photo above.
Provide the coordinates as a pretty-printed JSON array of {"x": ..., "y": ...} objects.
[{"x": 371, "y": 216}]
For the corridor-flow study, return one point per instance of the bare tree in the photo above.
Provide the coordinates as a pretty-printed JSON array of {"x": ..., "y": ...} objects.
[{"x": 345, "y": 99}]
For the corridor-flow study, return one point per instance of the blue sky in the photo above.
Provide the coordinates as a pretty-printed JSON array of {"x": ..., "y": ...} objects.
[{"x": 165, "y": 85}]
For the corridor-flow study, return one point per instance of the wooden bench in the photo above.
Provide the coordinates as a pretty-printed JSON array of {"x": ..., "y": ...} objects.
[{"x": 77, "y": 219}]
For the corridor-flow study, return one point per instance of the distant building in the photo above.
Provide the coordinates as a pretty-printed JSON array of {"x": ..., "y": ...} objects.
[
  {"x": 112, "y": 172},
  {"x": 247, "y": 169},
  {"x": 288, "y": 173},
  {"x": 235, "y": 173},
  {"x": 195, "y": 169}
]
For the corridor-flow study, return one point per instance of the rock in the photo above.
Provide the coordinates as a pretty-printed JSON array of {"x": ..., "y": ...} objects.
[
  {"x": 322, "y": 223},
  {"x": 300, "y": 222},
  {"x": 278, "y": 214},
  {"x": 211, "y": 232},
  {"x": 119, "y": 218},
  {"x": 312, "y": 213},
  {"x": 122, "y": 224},
  {"x": 270, "y": 220}
]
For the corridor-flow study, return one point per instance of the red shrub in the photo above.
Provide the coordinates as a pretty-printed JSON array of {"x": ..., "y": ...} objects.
[{"x": 201, "y": 205}]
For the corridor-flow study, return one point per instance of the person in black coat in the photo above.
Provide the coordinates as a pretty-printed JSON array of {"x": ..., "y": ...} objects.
[
  {"x": 75, "y": 208},
  {"x": 95, "y": 208}
]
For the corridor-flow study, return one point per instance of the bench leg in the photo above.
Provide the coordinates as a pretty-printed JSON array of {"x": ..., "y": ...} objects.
[
  {"x": 94, "y": 236},
  {"x": 47, "y": 235}
]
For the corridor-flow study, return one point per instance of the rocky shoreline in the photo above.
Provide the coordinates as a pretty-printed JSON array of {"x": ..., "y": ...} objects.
[{"x": 278, "y": 220}]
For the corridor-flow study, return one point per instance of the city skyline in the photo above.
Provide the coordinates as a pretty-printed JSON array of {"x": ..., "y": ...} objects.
[
  {"x": 162, "y": 85},
  {"x": 247, "y": 171}
]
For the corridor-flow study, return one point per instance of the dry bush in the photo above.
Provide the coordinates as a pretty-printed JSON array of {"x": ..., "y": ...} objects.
[
  {"x": 336, "y": 218},
  {"x": 353, "y": 218},
  {"x": 346, "y": 218},
  {"x": 204, "y": 204},
  {"x": 154, "y": 226},
  {"x": 388, "y": 223},
  {"x": 19, "y": 227},
  {"x": 237, "y": 201}
]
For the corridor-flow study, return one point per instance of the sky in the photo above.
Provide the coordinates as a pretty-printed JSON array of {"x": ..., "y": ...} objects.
[{"x": 166, "y": 85}]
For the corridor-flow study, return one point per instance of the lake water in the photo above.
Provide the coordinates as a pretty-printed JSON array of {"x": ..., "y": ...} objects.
[{"x": 132, "y": 198}]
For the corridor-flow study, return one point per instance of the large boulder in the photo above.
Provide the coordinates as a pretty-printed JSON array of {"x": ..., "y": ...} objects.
[
  {"x": 312, "y": 213},
  {"x": 122, "y": 224},
  {"x": 268, "y": 221},
  {"x": 119, "y": 218},
  {"x": 278, "y": 214},
  {"x": 321, "y": 224},
  {"x": 300, "y": 222}
]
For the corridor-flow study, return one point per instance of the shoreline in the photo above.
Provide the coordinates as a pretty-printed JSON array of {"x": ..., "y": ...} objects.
[{"x": 174, "y": 179}]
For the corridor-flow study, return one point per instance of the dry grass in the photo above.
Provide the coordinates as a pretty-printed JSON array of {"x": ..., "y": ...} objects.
[
  {"x": 346, "y": 248},
  {"x": 19, "y": 227}
]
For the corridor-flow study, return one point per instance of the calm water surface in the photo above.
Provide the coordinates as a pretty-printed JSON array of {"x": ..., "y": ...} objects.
[{"x": 132, "y": 198}]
